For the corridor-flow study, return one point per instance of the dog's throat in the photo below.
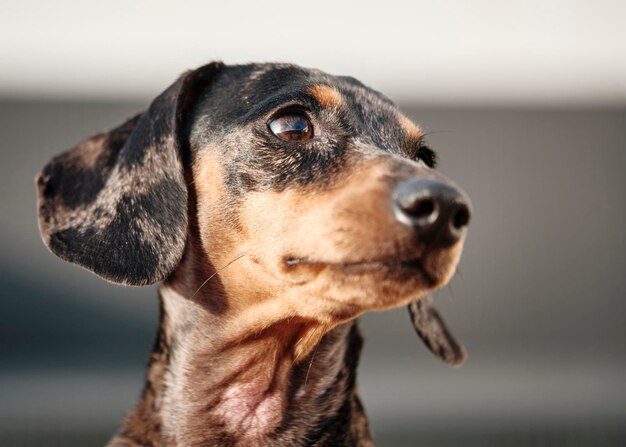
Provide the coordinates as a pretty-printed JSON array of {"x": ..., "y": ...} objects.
[
  {"x": 216, "y": 390},
  {"x": 254, "y": 405}
]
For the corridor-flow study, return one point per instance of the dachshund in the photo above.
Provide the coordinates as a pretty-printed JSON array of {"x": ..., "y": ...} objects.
[{"x": 275, "y": 204}]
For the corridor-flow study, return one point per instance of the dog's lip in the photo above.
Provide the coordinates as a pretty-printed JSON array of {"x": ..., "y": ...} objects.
[
  {"x": 365, "y": 266},
  {"x": 346, "y": 264}
]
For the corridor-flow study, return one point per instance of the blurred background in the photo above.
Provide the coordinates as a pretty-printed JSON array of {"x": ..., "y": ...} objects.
[{"x": 525, "y": 103}]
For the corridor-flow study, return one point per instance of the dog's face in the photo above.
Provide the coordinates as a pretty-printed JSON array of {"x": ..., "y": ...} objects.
[
  {"x": 299, "y": 193},
  {"x": 297, "y": 176}
]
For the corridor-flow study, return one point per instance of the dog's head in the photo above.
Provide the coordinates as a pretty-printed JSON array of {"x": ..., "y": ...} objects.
[{"x": 303, "y": 195}]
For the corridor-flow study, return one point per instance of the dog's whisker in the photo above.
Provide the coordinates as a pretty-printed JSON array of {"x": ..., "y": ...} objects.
[
  {"x": 460, "y": 275},
  {"x": 336, "y": 231},
  {"x": 239, "y": 256},
  {"x": 450, "y": 291},
  {"x": 306, "y": 378}
]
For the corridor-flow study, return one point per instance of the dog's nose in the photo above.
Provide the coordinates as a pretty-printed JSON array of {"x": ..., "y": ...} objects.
[{"x": 439, "y": 212}]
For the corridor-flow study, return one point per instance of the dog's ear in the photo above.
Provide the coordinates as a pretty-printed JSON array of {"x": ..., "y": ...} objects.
[
  {"x": 116, "y": 204},
  {"x": 434, "y": 333}
]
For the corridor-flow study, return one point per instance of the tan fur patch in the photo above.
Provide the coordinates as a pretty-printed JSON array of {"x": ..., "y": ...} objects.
[
  {"x": 326, "y": 96},
  {"x": 413, "y": 131},
  {"x": 216, "y": 232}
]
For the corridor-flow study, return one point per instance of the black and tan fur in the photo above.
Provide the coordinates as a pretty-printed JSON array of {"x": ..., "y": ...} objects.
[{"x": 267, "y": 250}]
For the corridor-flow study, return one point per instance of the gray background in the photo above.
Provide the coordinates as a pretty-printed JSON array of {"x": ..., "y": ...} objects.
[{"x": 539, "y": 298}]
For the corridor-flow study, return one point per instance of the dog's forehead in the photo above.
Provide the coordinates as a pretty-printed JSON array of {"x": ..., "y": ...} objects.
[
  {"x": 254, "y": 83},
  {"x": 240, "y": 90}
]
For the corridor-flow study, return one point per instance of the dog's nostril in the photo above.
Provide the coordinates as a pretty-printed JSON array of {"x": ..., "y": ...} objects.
[
  {"x": 461, "y": 217},
  {"x": 423, "y": 208},
  {"x": 437, "y": 211}
]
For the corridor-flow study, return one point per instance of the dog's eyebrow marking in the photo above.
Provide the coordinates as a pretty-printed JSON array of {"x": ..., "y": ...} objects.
[
  {"x": 326, "y": 95},
  {"x": 413, "y": 131}
]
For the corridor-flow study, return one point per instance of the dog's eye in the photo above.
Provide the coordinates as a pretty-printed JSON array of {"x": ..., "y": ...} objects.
[{"x": 291, "y": 126}]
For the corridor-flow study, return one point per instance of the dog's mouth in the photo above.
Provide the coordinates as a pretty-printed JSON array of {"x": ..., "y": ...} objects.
[{"x": 388, "y": 267}]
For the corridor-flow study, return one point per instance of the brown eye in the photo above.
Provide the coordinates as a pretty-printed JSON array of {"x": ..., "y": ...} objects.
[{"x": 292, "y": 126}]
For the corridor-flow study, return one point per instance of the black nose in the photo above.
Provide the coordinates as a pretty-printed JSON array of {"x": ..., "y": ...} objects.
[{"x": 439, "y": 212}]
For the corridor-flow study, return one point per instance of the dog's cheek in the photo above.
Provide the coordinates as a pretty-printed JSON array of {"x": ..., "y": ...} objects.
[{"x": 216, "y": 212}]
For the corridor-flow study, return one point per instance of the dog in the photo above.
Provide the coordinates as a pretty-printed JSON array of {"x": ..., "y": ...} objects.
[{"x": 275, "y": 204}]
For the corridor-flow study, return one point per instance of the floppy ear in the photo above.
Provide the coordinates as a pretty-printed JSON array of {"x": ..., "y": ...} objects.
[
  {"x": 434, "y": 333},
  {"x": 116, "y": 204}
]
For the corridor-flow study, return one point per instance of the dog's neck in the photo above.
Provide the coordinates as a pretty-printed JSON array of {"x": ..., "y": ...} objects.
[{"x": 206, "y": 388}]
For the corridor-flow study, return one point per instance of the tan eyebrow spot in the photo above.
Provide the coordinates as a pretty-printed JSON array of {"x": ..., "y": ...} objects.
[
  {"x": 326, "y": 95},
  {"x": 410, "y": 128}
]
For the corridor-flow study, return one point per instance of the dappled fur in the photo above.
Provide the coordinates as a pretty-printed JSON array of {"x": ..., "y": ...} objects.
[{"x": 267, "y": 250}]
